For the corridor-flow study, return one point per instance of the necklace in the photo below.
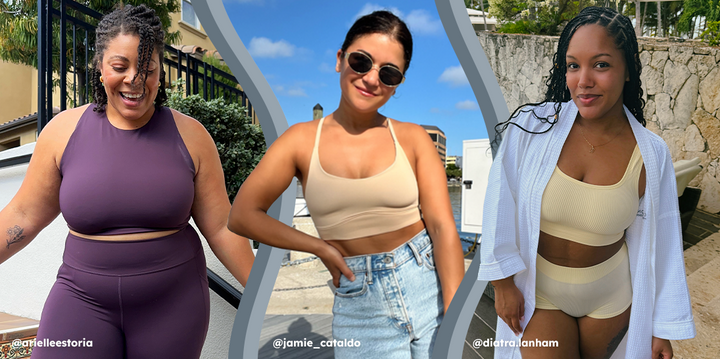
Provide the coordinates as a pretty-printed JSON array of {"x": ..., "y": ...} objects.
[{"x": 592, "y": 147}]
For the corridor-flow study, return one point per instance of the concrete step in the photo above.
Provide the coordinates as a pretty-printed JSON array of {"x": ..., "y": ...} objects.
[
  {"x": 702, "y": 253},
  {"x": 15, "y": 330},
  {"x": 702, "y": 264}
]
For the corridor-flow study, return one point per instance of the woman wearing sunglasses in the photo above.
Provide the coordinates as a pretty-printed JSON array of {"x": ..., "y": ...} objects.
[{"x": 365, "y": 177}]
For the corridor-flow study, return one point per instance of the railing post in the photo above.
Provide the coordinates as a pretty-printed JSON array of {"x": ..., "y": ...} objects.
[
  {"x": 205, "y": 94},
  {"x": 48, "y": 63},
  {"x": 87, "y": 78},
  {"x": 74, "y": 62},
  {"x": 197, "y": 75},
  {"x": 63, "y": 57},
  {"x": 41, "y": 65},
  {"x": 179, "y": 60},
  {"x": 212, "y": 81},
  {"x": 187, "y": 74}
]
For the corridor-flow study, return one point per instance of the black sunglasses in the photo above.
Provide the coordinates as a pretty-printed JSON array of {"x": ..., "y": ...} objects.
[{"x": 361, "y": 63}]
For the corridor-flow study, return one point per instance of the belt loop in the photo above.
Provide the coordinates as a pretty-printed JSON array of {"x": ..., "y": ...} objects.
[
  {"x": 417, "y": 255},
  {"x": 368, "y": 265}
]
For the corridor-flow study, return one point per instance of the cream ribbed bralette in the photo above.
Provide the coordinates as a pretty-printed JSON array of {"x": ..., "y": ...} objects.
[
  {"x": 590, "y": 214},
  {"x": 345, "y": 208}
]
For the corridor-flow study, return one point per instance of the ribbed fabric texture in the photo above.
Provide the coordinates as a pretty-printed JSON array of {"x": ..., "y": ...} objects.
[
  {"x": 345, "y": 208},
  {"x": 511, "y": 228},
  {"x": 590, "y": 214}
]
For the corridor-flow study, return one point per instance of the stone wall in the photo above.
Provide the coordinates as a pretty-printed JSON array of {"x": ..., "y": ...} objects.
[{"x": 681, "y": 84}]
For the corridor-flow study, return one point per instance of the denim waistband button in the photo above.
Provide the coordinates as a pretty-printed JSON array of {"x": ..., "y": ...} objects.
[{"x": 387, "y": 260}]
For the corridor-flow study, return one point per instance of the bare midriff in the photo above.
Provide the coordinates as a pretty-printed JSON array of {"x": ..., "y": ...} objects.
[
  {"x": 379, "y": 243},
  {"x": 567, "y": 253},
  {"x": 127, "y": 237}
]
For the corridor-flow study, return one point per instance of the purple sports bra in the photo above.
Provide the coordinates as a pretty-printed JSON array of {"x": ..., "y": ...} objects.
[{"x": 126, "y": 181}]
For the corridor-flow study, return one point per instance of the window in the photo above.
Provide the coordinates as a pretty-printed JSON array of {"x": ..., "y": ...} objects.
[
  {"x": 10, "y": 144},
  {"x": 433, "y": 136},
  {"x": 188, "y": 14}
]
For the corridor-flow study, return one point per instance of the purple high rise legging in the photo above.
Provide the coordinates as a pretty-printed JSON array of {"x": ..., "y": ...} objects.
[{"x": 132, "y": 299}]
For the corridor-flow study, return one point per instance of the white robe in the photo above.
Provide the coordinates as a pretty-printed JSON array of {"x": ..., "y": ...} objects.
[{"x": 511, "y": 228}]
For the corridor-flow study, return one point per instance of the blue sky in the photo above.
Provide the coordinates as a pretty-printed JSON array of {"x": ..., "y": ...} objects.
[{"x": 294, "y": 44}]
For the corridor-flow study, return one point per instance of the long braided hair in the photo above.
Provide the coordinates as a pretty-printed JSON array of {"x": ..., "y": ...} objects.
[
  {"x": 130, "y": 20},
  {"x": 620, "y": 28}
]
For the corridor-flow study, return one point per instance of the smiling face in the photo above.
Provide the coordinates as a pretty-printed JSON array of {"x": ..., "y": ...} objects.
[
  {"x": 596, "y": 73},
  {"x": 364, "y": 93},
  {"x": 131, "y": 101}
]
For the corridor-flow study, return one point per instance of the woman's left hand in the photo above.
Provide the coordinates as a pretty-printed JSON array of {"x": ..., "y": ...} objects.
[{"x": 661, "y": 348}]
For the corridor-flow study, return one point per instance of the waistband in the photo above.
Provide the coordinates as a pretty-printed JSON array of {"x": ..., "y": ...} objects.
[
  {"x": 581, "y": 275},
  {"x": 134, "y": 257},
  {"x": 393, "y": 259}
]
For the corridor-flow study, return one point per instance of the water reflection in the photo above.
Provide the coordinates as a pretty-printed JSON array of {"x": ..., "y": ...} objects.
[{"x": 456, "y": 202}]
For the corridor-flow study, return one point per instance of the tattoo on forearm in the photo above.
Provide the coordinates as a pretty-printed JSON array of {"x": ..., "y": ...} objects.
[
  {"x": 15, "y": 234},
  {"x": 615, "y": 342}
]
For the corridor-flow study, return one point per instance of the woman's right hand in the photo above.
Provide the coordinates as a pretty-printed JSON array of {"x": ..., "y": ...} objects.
[
  {"x": 335, "y": 264},
  {"x": 509, "y": 303}
]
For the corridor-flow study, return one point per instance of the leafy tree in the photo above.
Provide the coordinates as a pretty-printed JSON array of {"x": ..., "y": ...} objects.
[
  {"x": 535, "y": 17},
  {"x": 452, "y": 171},
  {"x": 19, "y": 28},
  {"x": 475, "y": 4},
  {"x": 240, "y": 144},
  {"x": 707, "y": 9}
]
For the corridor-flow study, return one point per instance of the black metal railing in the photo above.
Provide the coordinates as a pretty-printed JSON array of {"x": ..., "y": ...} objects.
[{"x": 72, "y": 26}]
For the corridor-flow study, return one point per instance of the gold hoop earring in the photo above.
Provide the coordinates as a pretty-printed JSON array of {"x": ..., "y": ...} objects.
[{"x": 101, "y": 80}]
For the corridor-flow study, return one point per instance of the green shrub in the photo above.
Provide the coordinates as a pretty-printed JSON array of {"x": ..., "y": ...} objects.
[
  {"x": 240, "y": 144},
  {"x": 712, "y": 34}
]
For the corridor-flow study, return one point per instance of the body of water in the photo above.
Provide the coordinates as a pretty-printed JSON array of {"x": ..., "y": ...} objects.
[{"x": 456, "y": 201}]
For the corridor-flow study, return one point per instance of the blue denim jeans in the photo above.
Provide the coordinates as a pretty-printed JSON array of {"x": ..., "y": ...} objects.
[{"x": 394, "y": 307}]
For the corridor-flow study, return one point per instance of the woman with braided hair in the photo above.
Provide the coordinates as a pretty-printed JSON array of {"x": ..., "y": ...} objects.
[
  {"x": 583, "y": 242},
  {"x": 127, "y": 174}
]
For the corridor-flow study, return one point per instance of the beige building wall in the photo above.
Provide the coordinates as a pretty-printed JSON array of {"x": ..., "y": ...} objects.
[
  {"x": 189, "y": 34},
  {"x": 18, "y": 87}
]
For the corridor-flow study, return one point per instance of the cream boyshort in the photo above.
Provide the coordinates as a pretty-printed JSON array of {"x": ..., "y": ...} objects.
[{"x": 601, "y": 291}]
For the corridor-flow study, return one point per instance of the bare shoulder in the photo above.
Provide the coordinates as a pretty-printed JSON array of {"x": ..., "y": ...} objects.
[
  {"x": 55, "y": 136},
  {"x": 64, "y": 123},
  {"x": 197, "y": 139},
  {"x": 298, "y": 138},
  {"x": 188, "y": 126},
  {"x": 301, "y": 131},
  {"x": 410, "y": 133}
]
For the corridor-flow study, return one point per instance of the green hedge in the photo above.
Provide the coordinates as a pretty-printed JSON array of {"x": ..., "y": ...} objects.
[{"x": 240, "y": 143}]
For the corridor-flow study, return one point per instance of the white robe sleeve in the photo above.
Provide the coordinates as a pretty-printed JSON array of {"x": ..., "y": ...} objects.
[
  {"x": 499, "y": 254},
  {"x": 672, "y": 315}
]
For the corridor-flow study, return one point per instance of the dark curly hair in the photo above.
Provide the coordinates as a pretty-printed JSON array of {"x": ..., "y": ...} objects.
[
  {"x": 619, "y": 27},
  {"x": 130, "y": 20},
  {"x": 381, "y": 22}
]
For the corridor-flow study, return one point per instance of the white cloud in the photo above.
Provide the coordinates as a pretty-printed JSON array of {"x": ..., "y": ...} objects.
[
  {"x": 420, "y": 22},
  {"x": 455, "y": 76},
  {"x": 467, "y": 105},
  {"x": 369, "y": 8},
  {"x": 325, "y": 67},
  {"x": 297, "y": 92},
  {"x": 264, "y": 47},
  {"x": 290, "y": 91}
]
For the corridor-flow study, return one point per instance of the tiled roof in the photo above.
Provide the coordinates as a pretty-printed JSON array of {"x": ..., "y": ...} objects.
[{"x": 20, "y": 121}]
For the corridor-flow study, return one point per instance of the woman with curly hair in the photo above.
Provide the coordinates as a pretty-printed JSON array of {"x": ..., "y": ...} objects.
[
  {"x": 127, "y": 174},
  {"x": 583, "y": 242}
]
